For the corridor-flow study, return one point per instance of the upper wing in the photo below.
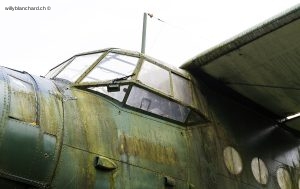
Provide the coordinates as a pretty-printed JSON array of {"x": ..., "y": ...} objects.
[{"x": 262, "y": 64}]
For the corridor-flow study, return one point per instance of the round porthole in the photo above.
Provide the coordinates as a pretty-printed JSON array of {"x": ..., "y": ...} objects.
[
  {"x": 232, "y": 160},
  {"x": 284, "y": 179},
  {"x": 259, "y": 170}
]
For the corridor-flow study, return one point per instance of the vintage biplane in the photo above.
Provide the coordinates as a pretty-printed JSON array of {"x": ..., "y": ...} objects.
[{"x": 227, "y": 119}]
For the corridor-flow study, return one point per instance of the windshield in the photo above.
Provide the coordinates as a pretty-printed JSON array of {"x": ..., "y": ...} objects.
[
  {"x": 77, "y": 66},
  {"x": 112, "y": 66},
  {"x": 94, "y": 67},
  {"x": 155, "y": 89}
]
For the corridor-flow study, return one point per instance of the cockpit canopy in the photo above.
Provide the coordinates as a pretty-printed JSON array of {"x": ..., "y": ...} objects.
[{"x": 135, "y": 80}]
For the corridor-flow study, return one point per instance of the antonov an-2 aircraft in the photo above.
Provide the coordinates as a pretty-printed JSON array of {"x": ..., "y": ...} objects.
[{"x": 116, "y": 119}]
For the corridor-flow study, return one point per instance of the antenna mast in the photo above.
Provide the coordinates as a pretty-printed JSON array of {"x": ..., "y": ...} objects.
[
  {"x": 145, "y": 30},
  {"x": 144, "y": 34}
]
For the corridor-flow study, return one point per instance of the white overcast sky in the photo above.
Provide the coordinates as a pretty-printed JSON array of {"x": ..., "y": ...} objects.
[{"x": 36, "y": 41}]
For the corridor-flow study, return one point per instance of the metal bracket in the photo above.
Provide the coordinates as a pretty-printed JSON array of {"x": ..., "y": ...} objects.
[{"x": 103, "y": 163}]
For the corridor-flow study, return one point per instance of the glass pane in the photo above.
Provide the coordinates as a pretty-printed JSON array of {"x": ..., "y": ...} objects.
[
  {"x": 111, "y": 67},
  {"x": 232, "y": 160},
  {"x": 78, "y": 66},
  {"x": 155, "y": 77},
  {"x": 182, "y": 89},
  {"x": 283, "y": 178},
  {"x": 119, "y": 95},
  {"x": 150, "y": 102},
  {"x": 259, "y": 170},
  {"x": 53, "y": 72}
]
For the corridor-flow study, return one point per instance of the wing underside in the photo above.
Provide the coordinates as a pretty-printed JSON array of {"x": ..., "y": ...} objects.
[{"x": 262, "y": 64}]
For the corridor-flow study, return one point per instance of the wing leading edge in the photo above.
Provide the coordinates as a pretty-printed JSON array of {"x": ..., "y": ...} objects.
[{"x": 262, "y": 64}]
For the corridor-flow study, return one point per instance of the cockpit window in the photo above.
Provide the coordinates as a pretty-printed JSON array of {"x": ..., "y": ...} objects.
[
  {"x": 112, "y": 66},
  {"x": 150, "y": 102},
  {"x": 155, "y": 89},
  {"x": 155, "y": 77},
  {"x": 182, "y": 89},
  {"x": 78, "y": 66},
  {"x": 118, "y": 95}
]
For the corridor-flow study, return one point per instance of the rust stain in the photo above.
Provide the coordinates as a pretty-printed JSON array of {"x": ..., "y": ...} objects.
[
  {"x": 22, "y": 106},
  {"x": 147, "y": 150}
]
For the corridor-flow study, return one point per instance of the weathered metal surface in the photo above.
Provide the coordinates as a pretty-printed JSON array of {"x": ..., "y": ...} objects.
[
  {"x": 31, "y": 152},
  {"x": 96, "y": 126},
  {"x": 78, "y": 138},
  {"x": 252, "y": 135}
]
